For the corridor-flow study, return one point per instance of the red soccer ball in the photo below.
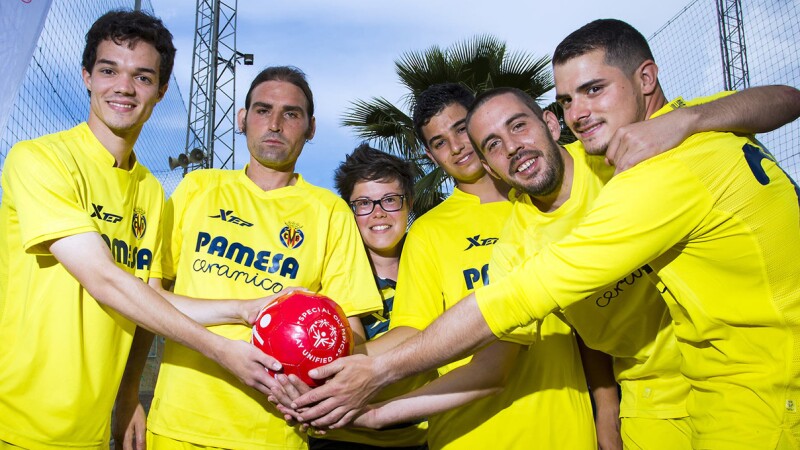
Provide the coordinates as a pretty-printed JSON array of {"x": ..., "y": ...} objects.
[{"x": 303, "y": 331}]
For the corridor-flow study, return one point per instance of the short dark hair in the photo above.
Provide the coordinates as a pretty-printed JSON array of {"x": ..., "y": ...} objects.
[
  {"x": 624, "y": 46},
  {"x": 127, "y": 26},
  {"x": 487, "y": 95},
  {"x": 289, "y": 74},
  {"x": 369, "y": 164},
  {"x": 436, "y": 98}
]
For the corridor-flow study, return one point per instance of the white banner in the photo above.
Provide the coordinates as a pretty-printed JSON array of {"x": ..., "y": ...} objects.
[{"x": 21, "y": 22}]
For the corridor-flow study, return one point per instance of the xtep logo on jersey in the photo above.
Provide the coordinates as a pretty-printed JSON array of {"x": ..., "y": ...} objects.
[
  {"x": 291, "y": 236},
  {"x": 138, "y": 223},
  {"x": 227, "y": 216},
  {"x": 476, "y": 241},
  {"x": 107, "y": 217}
]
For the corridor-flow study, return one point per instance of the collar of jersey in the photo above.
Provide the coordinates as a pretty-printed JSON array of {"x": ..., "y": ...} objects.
[{"x": 251, "y": 186}]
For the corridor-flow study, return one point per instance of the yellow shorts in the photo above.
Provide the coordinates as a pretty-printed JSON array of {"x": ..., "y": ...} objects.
[
  {"x": 656, "y": 434},
  {"x": 7, "y": 446},
  {"x": 158, "y": 442}
]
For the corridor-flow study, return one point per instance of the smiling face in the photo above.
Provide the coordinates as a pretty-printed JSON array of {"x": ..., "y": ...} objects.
[
  {"x": 597, "y": 98},
  {"x": 123, "y": 87},
  {"x": 518, "y": 146},
  {"x": 448, "y": 144},
  {"x": 276, "y": 124},
  {"x": 381, "y": 231}
]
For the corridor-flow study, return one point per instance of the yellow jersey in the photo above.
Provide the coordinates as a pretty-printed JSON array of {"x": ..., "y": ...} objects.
[
  {"x": 627, "y": 319},
  {"x": 63, "y": 354},
  {"x": 717, "y": 219},
  {"x": 445, "y": 257},
  {"x": 226, "y": 238}
]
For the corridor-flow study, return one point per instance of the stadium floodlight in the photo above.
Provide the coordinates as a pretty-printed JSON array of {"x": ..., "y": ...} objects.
[{"x": 247, "y": 58}]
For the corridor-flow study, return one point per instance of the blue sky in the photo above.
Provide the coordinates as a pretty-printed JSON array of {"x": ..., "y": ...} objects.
[{"x": 347, "y": 48}]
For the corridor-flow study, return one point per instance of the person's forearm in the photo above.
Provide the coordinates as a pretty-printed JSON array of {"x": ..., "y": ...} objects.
[
  {"x": 144, "y": 306},
  {"x": 206, "y": 312},
  {"x": 359, "y": 335},
  {"x": 137, "y": 358},
  {"x": 89, "y": 260},
  {"x": 484, "y": 375},
  {"x": 750, "y": 111},
  {"x": 599, "y": 371},
  {"x": 389, "y": 340},
  {"x": 460, "y": 331},
  {"x": 422, "y": 405},
  {"x": 129, "y": 420},
  {"x": 86, "y": 257}
]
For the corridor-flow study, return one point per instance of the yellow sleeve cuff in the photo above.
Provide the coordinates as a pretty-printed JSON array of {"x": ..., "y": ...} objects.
[{"x": 505, "y": 307}]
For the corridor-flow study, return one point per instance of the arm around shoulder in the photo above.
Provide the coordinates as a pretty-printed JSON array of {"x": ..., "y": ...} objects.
[{"x": 753, "y": 110}]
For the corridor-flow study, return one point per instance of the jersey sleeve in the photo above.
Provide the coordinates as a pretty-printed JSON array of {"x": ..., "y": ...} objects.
[
  {"x": 508, "y": 252},
  {"x": 156, "y": 268},
  {"x": 418, "y": 298},
  {"x": 639, "y": 215},
  {"x": 46, "y": 198},
  {"x": 171, "y": 230},
  {"x": 346, "y": 273}
]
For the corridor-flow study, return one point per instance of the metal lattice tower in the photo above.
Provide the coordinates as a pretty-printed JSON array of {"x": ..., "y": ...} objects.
[
  {"x": 732, "y": 45},
  {"x": 210, "y": 137}
]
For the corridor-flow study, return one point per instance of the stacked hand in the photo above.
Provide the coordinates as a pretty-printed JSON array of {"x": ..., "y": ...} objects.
[{"x": 335, "y": 404}]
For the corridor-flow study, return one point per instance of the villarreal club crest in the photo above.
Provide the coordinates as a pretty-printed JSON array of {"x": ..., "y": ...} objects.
[
  {"x": 291, "y": 235},
  {"x": 138, "y": 223}
]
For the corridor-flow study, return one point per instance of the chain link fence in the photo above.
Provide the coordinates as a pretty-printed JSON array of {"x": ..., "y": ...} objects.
[
  {"x": 52, "y": 96},
  {"x": 687, "y": 50}
]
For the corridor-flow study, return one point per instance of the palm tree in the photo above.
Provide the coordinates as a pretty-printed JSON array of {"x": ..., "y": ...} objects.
[{"x": 480, "y": 63}]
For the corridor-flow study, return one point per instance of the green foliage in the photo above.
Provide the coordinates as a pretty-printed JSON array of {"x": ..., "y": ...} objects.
[{"x": 480, "y": 63}]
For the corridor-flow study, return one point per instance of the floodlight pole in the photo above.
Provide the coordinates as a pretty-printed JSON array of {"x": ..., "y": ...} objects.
[
  {"x": 732, "y": 44},
  {"x": 212, "y": 93}
]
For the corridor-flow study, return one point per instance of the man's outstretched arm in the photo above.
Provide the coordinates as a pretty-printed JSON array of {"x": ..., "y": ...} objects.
[
  {"x": 460, "y": 331},
  {"x": 88, "y": 259}
]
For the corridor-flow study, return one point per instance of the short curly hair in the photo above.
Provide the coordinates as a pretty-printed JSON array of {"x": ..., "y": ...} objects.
[
  {"x": 127, "y": 26},
  {"x": 369, "y": 164}
]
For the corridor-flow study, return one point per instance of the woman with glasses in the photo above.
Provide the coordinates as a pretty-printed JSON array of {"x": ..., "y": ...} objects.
[{"x": 379, "y": 188}]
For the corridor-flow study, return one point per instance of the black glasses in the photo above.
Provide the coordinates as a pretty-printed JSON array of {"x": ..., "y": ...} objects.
[{"x": 389, "y": 203}]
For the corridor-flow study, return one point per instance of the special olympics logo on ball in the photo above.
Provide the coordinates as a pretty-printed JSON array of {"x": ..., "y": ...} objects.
[
  {"x": 303, "y": 331},
  {"x": 323, "y": 333}
]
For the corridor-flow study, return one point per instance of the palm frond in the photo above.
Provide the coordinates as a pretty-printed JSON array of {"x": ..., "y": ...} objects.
[
  {"x": 429, "y": 191},
  {"x": 533, "y": 75},
  {"x": 481, "y": 62},
  {"x": 382, "y": 123},
  {"x": 418, "y": 70}
]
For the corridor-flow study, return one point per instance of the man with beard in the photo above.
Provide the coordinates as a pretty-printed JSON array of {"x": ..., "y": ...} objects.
[
  {"x": 627, "y": 319},
  {"x": 715, "y": 218}
]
